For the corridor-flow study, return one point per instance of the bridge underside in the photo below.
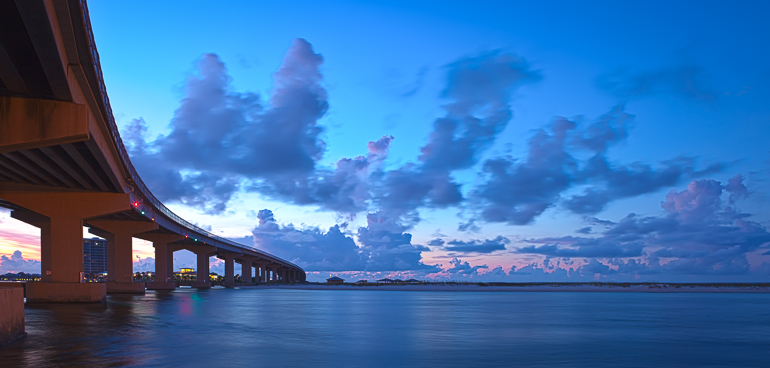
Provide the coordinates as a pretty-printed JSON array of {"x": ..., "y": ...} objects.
[{"x": 63, "y": 165}]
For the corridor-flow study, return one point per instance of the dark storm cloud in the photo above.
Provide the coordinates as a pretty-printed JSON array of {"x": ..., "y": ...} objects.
[{"x": 682, "y": 80}]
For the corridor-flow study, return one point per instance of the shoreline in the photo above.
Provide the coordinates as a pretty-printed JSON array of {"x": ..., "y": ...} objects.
[{"x": 632, "y": 288}]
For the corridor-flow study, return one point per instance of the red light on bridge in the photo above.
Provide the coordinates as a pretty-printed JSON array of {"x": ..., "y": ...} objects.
[{"x": 136, "y": 204}]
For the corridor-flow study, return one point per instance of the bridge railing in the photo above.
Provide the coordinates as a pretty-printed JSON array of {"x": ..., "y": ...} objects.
[{"x": 135, "y": 179}]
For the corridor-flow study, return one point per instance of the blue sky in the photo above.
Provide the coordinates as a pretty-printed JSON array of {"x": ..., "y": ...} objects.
[{"x": 656, "y": 109}]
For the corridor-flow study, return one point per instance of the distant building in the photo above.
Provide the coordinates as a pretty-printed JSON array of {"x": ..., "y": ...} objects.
[
  {"x": 94, "y": 256},
  {"x": 144, "y": 276},
  {"x": 185, "y": 274},
  {"x": 413, "y": 281},
  {"x": 385, "y": 281},
  {"x": 21, "y": 276},
  {"x": 362, "y": 282},
  {"x": 334, "y": 280}
]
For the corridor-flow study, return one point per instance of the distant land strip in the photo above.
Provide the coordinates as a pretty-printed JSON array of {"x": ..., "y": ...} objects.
[{"x": 663, "y": 287}]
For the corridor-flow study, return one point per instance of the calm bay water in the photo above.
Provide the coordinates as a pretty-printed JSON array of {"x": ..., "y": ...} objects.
[{"x": 312, "y": 328}]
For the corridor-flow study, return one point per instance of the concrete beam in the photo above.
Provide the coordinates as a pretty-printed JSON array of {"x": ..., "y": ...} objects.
[
  {"x": 34, "y": 123},
  {"x": 38, "y": 23}
]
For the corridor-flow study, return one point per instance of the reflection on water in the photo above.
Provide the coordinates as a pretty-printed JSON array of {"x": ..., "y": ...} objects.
[{"x": 316, "y": 328}]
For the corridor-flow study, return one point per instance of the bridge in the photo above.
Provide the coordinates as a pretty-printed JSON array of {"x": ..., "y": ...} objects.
[{"x": 63, "y": 166}]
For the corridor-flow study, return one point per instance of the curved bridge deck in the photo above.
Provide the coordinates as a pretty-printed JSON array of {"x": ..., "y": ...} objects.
[{"x": 63, "y": 164}]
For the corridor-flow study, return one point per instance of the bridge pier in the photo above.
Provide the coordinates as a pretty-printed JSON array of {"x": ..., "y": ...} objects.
[
  {"x": 260, "y": 272},
  {"x": 164, "y": 259},
  {"x": 229, "y": 259},
  {"x": 273, "y": 274},
  {"x": 246, "y": 264},
  {"x": 120, "y": 267},
  {"x": 278, "y": 276},
  {"x": 203, "y": 253},
  {"x": 60, "y": 215}
]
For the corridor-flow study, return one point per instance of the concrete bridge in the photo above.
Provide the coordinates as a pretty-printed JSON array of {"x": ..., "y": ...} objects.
[{"x": 63, "y": 165}]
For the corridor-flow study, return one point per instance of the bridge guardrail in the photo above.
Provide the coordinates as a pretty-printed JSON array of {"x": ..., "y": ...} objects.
[{"x": 144, "y": 191}]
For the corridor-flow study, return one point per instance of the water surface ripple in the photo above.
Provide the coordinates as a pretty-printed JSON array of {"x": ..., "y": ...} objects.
[{"x": 317, "y": 328}]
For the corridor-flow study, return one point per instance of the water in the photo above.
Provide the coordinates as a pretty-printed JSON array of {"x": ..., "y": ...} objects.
[{"x": 316, "y": 328}]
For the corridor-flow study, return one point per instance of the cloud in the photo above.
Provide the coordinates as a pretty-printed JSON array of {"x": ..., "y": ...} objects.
[
  {"x": 518, "y": 191},
  {"x": 222, "y": 142},
  {"x": 384, "y": 245},
  {"x": 682, "y": 80},
  {"x": 311, "y": 248},
  {"x": 699, "y": 233},
  {"x": 16, "y": 263},
  {"x": 144, "y": 264},
  {"x": 479, "y": 92},
  {"x": 585, "y": 230},
  {"x": 219, "y": 137},
  {"x": 583, "y": 247},
  {"x": 567, "y": 154},
  {"x": 464, "y": 269},
  {"x": 472, "y": 246},
  {"x": 344, "y": 189},
  {"x": 389, "y": 247}
]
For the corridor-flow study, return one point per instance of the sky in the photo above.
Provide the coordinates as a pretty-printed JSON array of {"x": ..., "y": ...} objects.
[{"x": 480, "y": 141}]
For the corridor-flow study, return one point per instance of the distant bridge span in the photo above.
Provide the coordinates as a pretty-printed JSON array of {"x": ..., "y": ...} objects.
[{"x": 63, "y": 165}]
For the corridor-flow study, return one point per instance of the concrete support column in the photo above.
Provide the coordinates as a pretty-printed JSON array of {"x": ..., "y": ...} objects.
[
  {"x": 262, "y": 272},
  {"x": 265, "y": 273},
  {"x": 246, "y": 263},
  {"x": 277, "y": 271},
  {"x": 164, "y": 259},
  {"x": 120, "y": 266},
  {"x": 229, "y": 269},
  {"x": 202, "y": 274},
  {"x": 245, "y": 273},
  {"x": 62, "y": 238}
]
